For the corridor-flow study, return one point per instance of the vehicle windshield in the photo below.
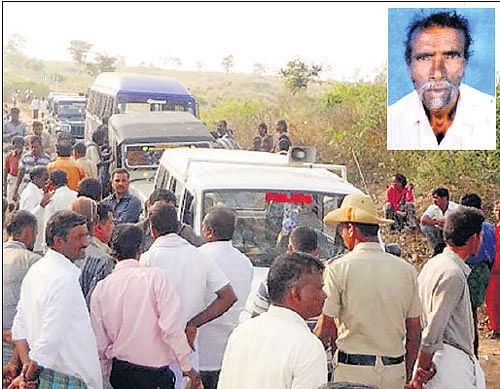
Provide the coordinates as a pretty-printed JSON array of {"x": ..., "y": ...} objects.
[
  {"x": 73, "y": 111},
  {"x": 149, "y": 155},
  {"x": 264, "y": 220},
  {"x": 170, "y": 105}
]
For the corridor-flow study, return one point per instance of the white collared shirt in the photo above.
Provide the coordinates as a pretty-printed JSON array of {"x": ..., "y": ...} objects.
[
  {"x": 30, "y": 201},
  {"x": 274, "y": 350},
  {"x": 191, "y": 273},
  {"x": 434, "y": 212},
  {"x": 61, "y": 200},
  {"x": 473, "y": 128},
  {"x": 53, "y": 318},
  {"x": 212, "y": 337}
]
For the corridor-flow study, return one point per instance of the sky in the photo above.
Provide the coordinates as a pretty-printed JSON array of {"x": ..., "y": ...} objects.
[{"x": 348, "y": 39}]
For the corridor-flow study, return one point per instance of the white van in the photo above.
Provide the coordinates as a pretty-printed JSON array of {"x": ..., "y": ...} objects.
[{"x": 269, "y": 193}]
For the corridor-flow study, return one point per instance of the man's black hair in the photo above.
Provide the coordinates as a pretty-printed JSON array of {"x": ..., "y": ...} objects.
[
  {"x": 287, "y": 271},
  {"x": 441, "y": 192},
  {"x": 126, "y": 240},
  {"x": 221, "y": 221},
  {"x": 442, "y": 19},
  {"x": 18, "y": 139},
  {"x": 38, "y": 171},
  {"x": 63, "y": 149},
  {"x": 263, "y": 125},
  {"x": 35, "y": 139},
  {"x": 471, "y": 200},
  {"x": 103, "y": 211},
  {"x": 401, "y": 179},
  {"x": 163, "y": 219},
  {"x": 90, "y": 187},
  {"x": 19, "y": 221},
  {"x": 284, "y": 143},
  {"x": 282, "y": 124},
  {"x": 120, "y": 170},
  {"x": 61, "y": 223},
  {"x": 58, "y": 178},
  {"x": 162, "y": 195},
  {"x": 99, "y": 135},
  {"x": 304, "y": 239},
  {"x": 461, "y": 224},
  {"x": 80, "y": 148}
]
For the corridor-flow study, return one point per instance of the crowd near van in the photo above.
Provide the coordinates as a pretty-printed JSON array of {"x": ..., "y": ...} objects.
[{"x": 118, "y": 93}]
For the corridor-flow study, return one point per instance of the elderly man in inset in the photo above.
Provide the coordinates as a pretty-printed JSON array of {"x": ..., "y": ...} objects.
[
  {"x": 448, "y": 336},
  {"x": 277, "y": 349},
  {"x": 442, "y": 113},
  {"x": 373, "y": 298}
]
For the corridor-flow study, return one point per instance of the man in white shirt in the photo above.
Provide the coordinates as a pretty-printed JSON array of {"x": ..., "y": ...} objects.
[
  {"x": 442, "y": 113},
  {"x": 277, "y": 349},
  {"x": 34, "y": 198},
  {"x": 191, "y": 273},
  {"x": 62, "y": 197},
  {"x": 433, "y": 219},
  {"x": 52, "y": 320},
  {"x": 217, "y": 230}
]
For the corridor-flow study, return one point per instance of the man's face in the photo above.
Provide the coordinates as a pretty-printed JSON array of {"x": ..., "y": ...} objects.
[
  {"x": 396, "y": 184},
  {"x": 221, "y": 126},
  {"x": 37, "y": 129},
  {"x": 312, "y": 294},
  {"x": 262, "y": 131},
  {"x": 496, "y": 211},
  {"x": 105, "y": 229},
  {"x": 41, "y": 181},
  {"x": 437, "y": 66},
  {"x": 31, "y": 237},
  {"x": 14, "y": 115},
  {"x": 441, "y": 202},
  {"x": 346, "y": 236},
  {"x": 73, "y": 247},
  {"x": 18, "y": 146},
  {"x": 36, "y": 148},
  {"x": 120, "y": 183}
]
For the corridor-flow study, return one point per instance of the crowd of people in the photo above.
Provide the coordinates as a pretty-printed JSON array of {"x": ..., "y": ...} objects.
[{"x": 95, "y": 297}]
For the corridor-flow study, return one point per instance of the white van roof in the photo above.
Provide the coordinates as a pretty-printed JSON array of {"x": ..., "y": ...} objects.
[{"x": 210, "y": 169}]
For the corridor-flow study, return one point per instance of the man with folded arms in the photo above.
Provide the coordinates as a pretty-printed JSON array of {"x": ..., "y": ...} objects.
[
  {"x": 136, "y": 316},
  {"x": 374, "y": 297}
]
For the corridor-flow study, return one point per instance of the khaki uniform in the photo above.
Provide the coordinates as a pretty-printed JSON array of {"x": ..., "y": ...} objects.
[{"x": 371, "y": 294}]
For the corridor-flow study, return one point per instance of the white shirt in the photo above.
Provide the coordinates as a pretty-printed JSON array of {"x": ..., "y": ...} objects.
[
  {"x": 473, "y": 128},
  {"x": 274, "y": 350},
  {"x": 30, "y": 201},
  {"x": 191, "y": 273},
  {"x": 43, "y": 106},
  {"x": 61, "y": 200},
  {"x": 53, "y": 318},
  {"x": 212, "y": 337},
  {"x": 434, "y": 212},
  {"x": 35, "y": 104}
]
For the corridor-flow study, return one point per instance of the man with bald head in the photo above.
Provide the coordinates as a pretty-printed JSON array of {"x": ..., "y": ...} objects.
[{"x": 441, "y": 113}]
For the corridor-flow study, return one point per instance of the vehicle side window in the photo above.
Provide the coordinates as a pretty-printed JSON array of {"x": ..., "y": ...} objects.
[
  {"x": 161, "y": 178},
  {"x": 178, "y": 189},
  {"x": 187, "y": 208}
]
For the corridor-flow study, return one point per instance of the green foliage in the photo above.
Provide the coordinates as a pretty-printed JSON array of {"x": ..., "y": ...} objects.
[
  {"x": 12, "y": 82},
  {"x": 227, "y": 63},
  {"x": 79, "y": 51},
  {"x": 103, "y": 63},
  {"x": 297, "y": 74}
]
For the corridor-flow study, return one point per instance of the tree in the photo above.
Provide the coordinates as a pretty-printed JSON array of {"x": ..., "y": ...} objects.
[
  {"x": 15, "y": 44},
  {"x": 103, "y": 63},
  {"x": 297, "y": 74},
  {"x": 199, "y": 65},
  {"x": 79, "y": 51},
  {"x": 227, "y": 63},
  {"x": 259, "y": 68}
]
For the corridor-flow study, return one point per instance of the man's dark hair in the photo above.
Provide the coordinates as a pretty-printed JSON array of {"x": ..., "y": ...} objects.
[
  {"x": 263, "y": 125},
  {"x": 471, "y": 200},
  {"x": 14, "y": 110},
  {"x": 126, "y": 240},
  {"x": 119, "y": 171},
  {"x": 63, "y": 149},
  {"x": 61, "y": 223},
  {"x": 442, "y": 19},
  {"x": 284, "y": 143},
  {"x": 18, "y": 139},
  {"x": 288, "y": 270},
  {"x": 282, "y": 124},
  {"x": 58, "y": 178},
  {"x": 38, "y": 171},
  {"x": 401, "y": 179},
  {"x": 90, "y": 187},
  {"x": 304, "y": 239},
  {"x": 441, "y": 192},
  {"x": 162, "y": 194},
  {"x": 461, "y": 224},
  {"x": 35, "y": 139},
  {"x": 164, "y": 219},
  {"x": 367, "y": 230},
  {"x": 80, "y": 148},
  {"x": 103, "y": 211},
  {"x": 19, "y": 221},
  {"x": 99, "y": 135},
  {"x": 37, "y": 123},
  {"x": 221, "y": 221}
]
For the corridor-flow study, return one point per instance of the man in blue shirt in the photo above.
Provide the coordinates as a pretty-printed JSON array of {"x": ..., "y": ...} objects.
[
  {"x": 480, "y": 264},
  {"x": 126, "y": 208}
]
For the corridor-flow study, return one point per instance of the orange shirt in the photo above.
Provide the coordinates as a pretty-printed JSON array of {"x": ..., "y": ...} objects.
[{"x": 73, "y": 171}]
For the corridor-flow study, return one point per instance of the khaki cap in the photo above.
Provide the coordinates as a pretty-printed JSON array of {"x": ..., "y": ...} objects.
[{"x": 356, "y": 209}]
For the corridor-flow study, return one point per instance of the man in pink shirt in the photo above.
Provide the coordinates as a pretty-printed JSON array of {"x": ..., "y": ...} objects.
[
  {"x": 399, "y": 204},
  {"x": 135, "y": 313}
]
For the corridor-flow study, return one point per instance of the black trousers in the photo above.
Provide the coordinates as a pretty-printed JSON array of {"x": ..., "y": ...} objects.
[
  {"x": 210, "y": 379},
  {"x": 126, "y": 375}
]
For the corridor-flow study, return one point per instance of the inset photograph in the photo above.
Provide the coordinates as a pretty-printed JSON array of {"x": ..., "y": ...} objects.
[{"x": 441, "y": 79}]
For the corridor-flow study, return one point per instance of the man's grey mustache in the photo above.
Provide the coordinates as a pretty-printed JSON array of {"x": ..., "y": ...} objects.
[{"x": 443, "y": 84}]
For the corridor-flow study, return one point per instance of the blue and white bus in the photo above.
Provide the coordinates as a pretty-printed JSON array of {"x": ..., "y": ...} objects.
[{"x": 113, "y": 93}]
